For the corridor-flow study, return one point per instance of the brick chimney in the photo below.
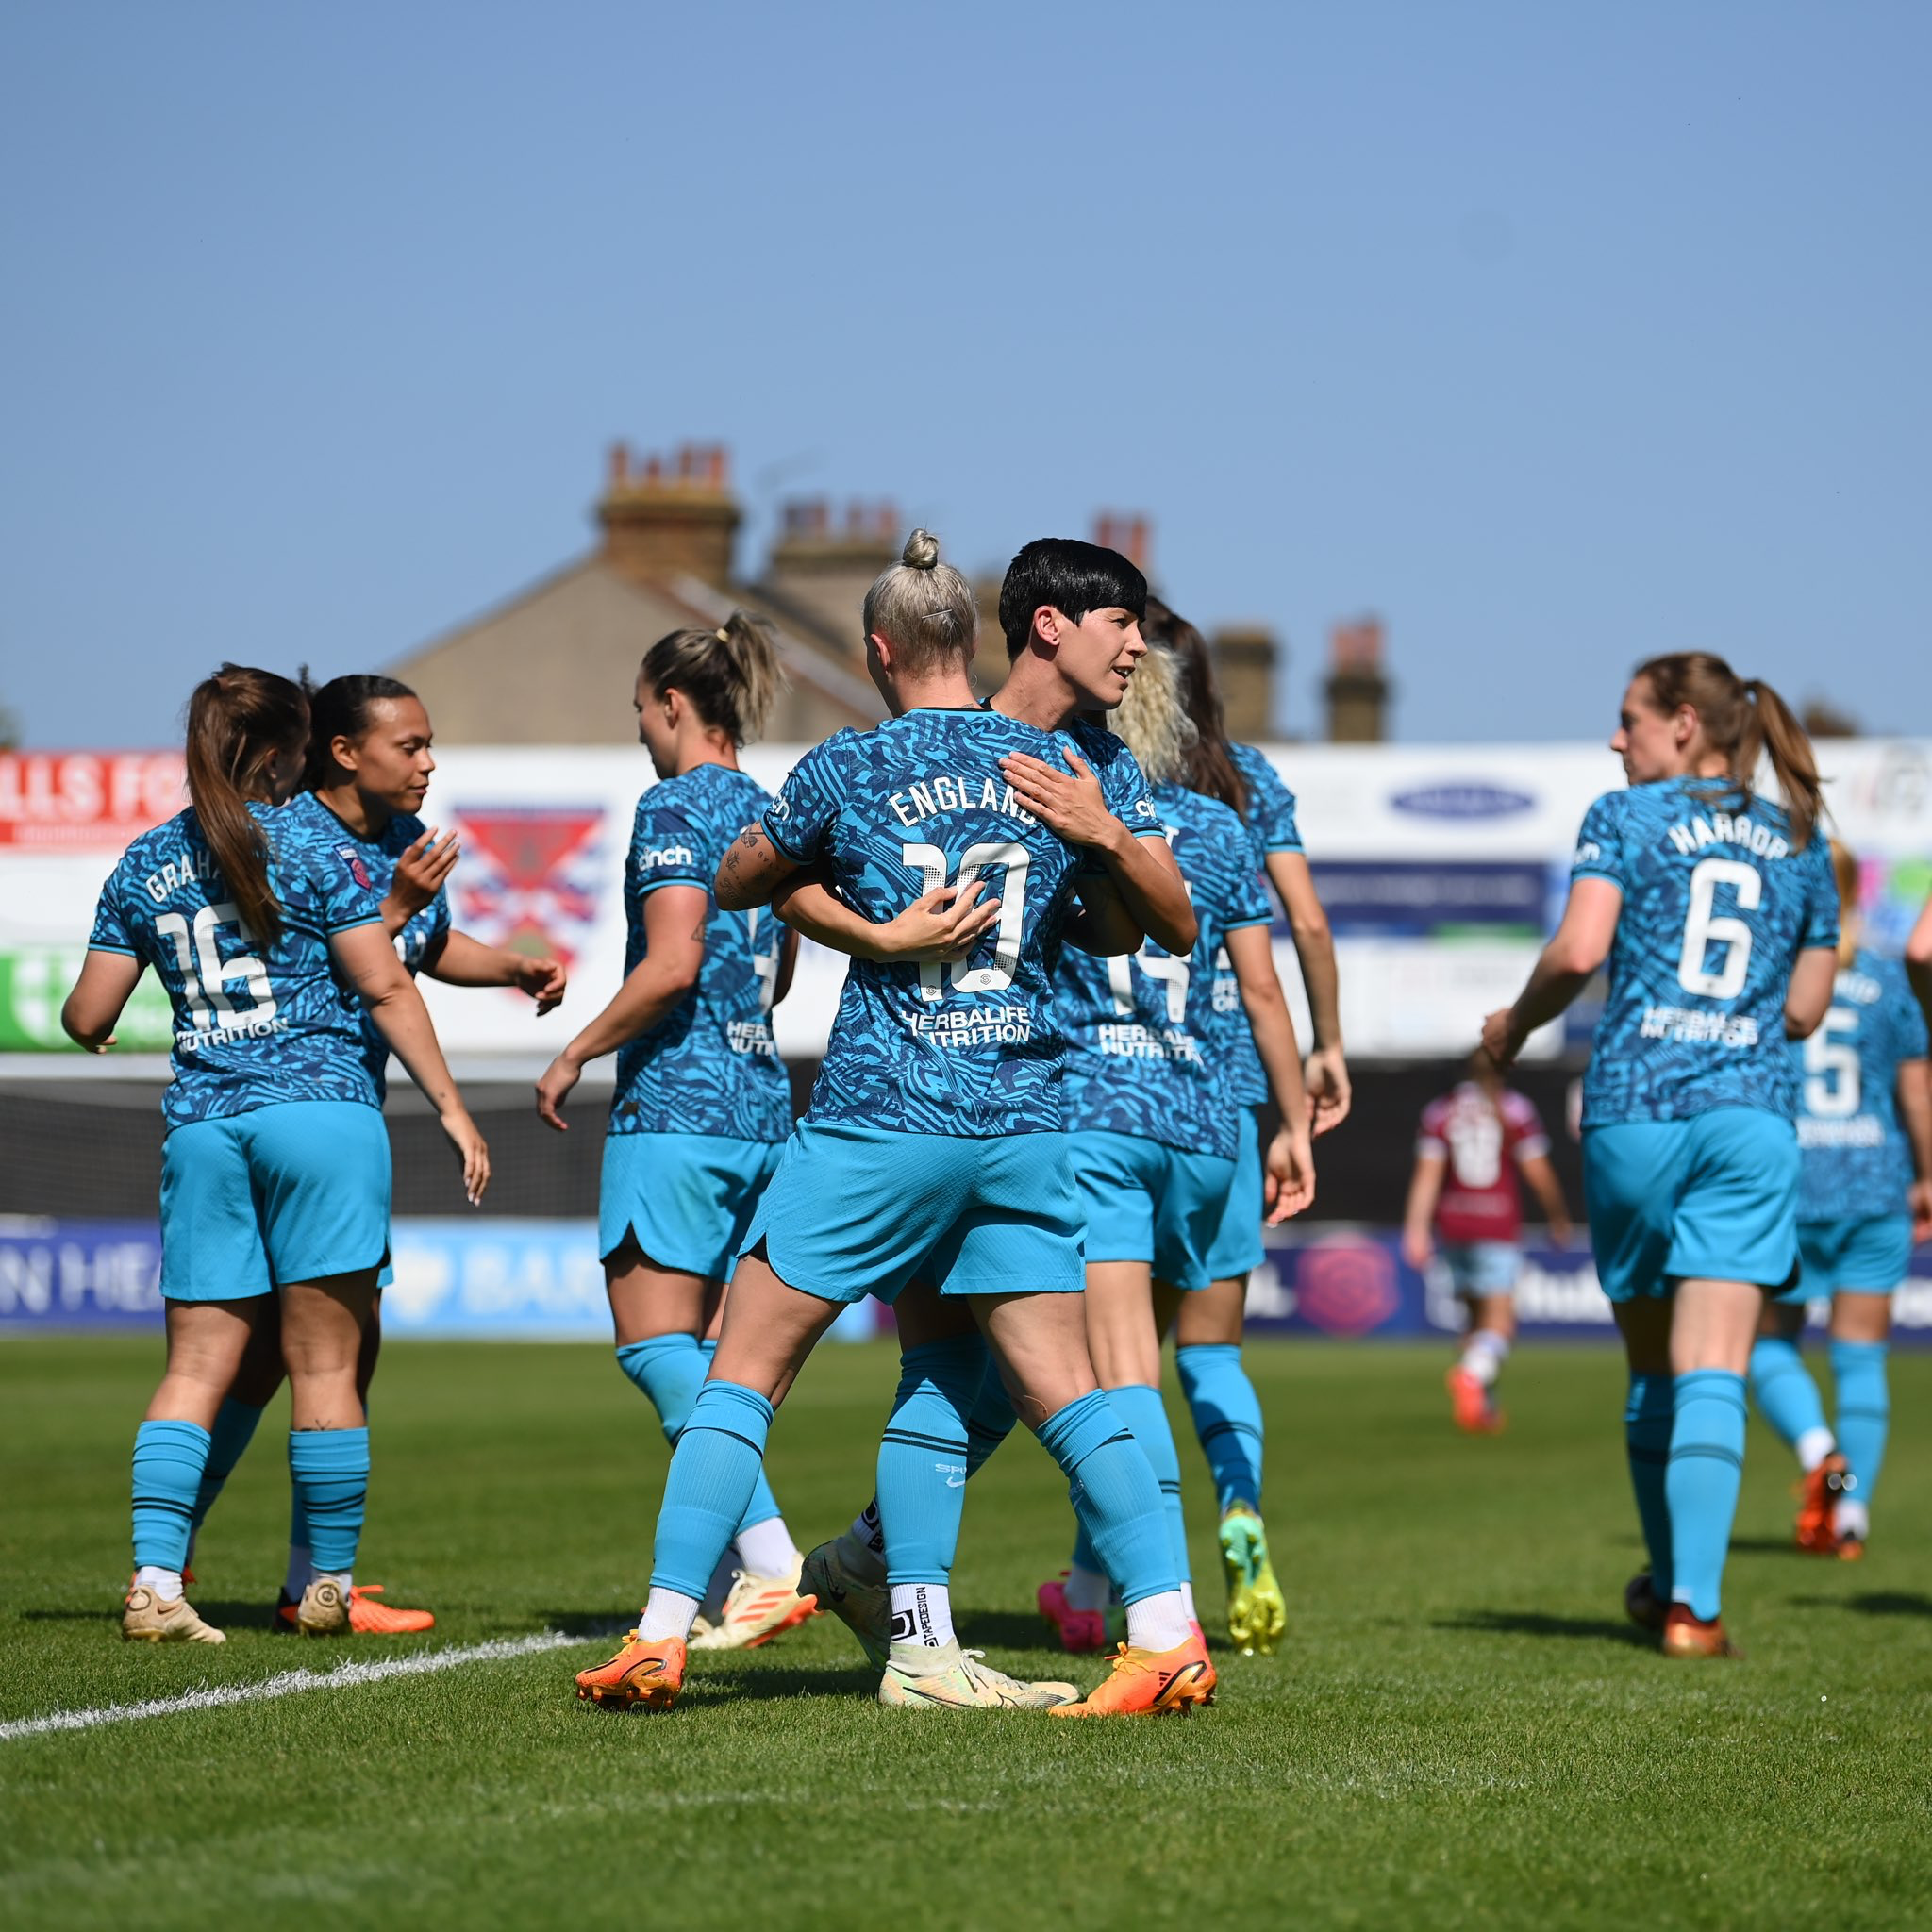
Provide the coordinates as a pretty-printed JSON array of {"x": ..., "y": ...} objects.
[
  {"x": 1358, "y": 689},
  {"x": 670, "y": 517},
  {"x": 1246, "y": 658},
  {"x": 822, "y": 565},
  {"x": 1131, "y": 534}
]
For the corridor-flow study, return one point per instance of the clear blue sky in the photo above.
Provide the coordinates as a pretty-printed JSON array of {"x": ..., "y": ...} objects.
[{"x": 1555, "y": 334}]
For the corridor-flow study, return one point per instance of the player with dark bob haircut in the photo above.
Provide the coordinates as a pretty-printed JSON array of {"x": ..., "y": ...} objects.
[{"x": 1063, "y": 574}]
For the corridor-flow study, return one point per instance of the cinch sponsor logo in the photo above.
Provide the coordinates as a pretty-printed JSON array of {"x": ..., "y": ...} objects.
[
  {"x": 667, "y": 854},
  {"x": 1473, "y": 800}
]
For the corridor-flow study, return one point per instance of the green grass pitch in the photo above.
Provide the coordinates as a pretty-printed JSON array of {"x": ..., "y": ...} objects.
[{"x": 1460, "y": 1731}]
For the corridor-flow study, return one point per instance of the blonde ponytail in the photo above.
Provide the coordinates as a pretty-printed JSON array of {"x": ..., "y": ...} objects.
[{"x": 732, "y": 675}]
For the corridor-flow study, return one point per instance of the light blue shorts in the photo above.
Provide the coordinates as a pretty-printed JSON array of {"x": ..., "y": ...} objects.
[
  {"x": 858, "y": 1211},
  {"x": 1861, "y": 1253},
  {"x": 1143, "y": 1202},
  {"x": 296, "y": 1191},
  {"x": 1236, "y": 1247},
  {"x": 685, "y": 1199},
  {"x": 1714, "y": 1197},
  {"x": 1482, "y": 1267}
]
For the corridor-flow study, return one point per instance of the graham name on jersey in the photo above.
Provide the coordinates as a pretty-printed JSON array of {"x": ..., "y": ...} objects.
[
  {"x": 190, "y": 868},
  {"x": 955, "y": 792}
]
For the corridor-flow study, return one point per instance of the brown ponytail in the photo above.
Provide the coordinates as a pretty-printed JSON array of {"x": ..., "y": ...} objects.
[
  {"x": 235, "y": 720},
  {"x": 1746, "y": 720},
  {"x": 732, "y": 674},
  {"x": 1211, "y": 766}
]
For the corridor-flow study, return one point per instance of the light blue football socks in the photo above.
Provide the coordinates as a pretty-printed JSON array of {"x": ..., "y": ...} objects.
[
  {"x": 1864, "y": 1410},
  {"x": 922, "y": 1462},
  {"x": 1228, "y": 1419},
  {"x": 1788, "y": 1398},
  {"x": 714, "y": 1469},
  {"x": 763, "y": 1507},
  {"x": 1701, "y": 1483},
  {"x": 1115, "y": 1494},
  {"x": 669, "y": 1370},
  {"x": 1647, "y": 1442},
  {"x": 1140, "y": 1407},
  {"x": 169, "y": 1458},
  {"x": 330, "y": 1471},
  {"x": 234, "y": 1429},
  {"x": 991, "y": 1420}
]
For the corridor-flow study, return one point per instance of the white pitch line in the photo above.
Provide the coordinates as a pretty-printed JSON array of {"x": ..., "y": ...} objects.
[{"x": 289, "y": 1684}]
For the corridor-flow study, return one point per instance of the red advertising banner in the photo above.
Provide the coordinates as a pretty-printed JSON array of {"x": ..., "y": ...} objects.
[{"x": 67, "y": 799}]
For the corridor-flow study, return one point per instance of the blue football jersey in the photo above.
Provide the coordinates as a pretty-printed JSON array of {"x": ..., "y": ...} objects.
[
  {"x": 1148, "y": 1036},
  {"x": 373, "y": 862},
  {"x": 710, "y": 1066},
  {"x": 972, "y": 1048},
  {"x": 1856, "y": 1160},
  {"x": 254, "y": 1024},
  {"x": 1270, "y": 816},
  {"x": 1717, "y": 907}
]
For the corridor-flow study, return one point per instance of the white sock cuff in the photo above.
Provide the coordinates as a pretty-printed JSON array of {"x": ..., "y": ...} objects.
[{"x": 1813, "y": 1446}]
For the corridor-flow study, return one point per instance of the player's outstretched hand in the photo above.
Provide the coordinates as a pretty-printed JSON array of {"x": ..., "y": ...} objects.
[
  {"x": 544, "y": 980},
  {"x": 1288, "y": 1181},
  {"x": 1070, "y": 803},
  {"x": 1920, "y": 1200},
  {"x": 422, "y": 872},
  {"x": 470, "y": 1145},
  {"x": 1499, "y": 1037},
  {"x": 944, "y": 924},
  {"x": 553, "y": 1089},
  {"x": 1325, "y": 1076},
  {"x": 1417, "y": 1247}
]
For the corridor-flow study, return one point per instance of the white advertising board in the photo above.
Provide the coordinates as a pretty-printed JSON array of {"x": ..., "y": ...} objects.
[{"x": 1440, "y": 867}]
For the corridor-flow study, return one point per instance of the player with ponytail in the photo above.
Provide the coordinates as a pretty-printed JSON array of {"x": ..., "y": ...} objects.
[
  {"x": 365, "y": 778},
  {"x": 276, "y": 1168},
  {"x": 1715, "y": 908},
  {"x": 701, "y": 1103}
]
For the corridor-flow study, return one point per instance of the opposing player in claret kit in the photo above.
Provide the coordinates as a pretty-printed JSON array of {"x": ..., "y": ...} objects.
[
  {"x": 1865, "y": 1147},
  {"x": 276, "y": 1168},
  {"x": 933, "y": 1152},
  {"x": 1715, "y": 908},
  {"x": 1152, "y": 1120},
  {"x": 367, "y": 775},
  {"x": 701, "y": 1103},
  {"x": 1464, "y": 1206},
  {"x": 1222, "y": 1401}
]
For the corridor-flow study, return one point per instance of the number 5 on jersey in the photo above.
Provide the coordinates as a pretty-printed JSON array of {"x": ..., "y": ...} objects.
[{"x": 931, "y": 864}]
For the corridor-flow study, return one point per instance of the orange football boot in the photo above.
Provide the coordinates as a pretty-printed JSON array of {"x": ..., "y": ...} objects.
[
  {"x": 641, "y": 1675},
  {"x": 1150, "y": 1683},
  {"x": 366, "y": 1618},
  {"x": 1686, "y": 1635},
  {"x": 1817, "y": 1495},
  {"x": 1475, "y": 1402}
]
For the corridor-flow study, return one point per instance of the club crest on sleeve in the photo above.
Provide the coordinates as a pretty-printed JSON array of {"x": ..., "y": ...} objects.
[{"x": 358, "y": 871}]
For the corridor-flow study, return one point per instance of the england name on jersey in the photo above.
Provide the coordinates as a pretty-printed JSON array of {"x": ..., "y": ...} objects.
[
  {"x": 1857, "y": 1161},
  {"x": 371, "y": 861},
  {"x": 1149, "y": 1041},
  {"x": 1718, "y": 904},
  {"x": 254, "y": 1025},
  {"x": 1271, "y": 822},
  {"x": 710, "y": 1066},
  {"x": 972, "y": 1048}
]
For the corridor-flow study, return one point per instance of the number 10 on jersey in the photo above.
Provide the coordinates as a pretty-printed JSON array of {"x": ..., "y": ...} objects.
[{"x": 931, "y": 864}]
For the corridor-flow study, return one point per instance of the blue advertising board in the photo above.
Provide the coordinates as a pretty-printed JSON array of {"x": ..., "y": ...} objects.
[{"x": 540, "y": 1280}]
